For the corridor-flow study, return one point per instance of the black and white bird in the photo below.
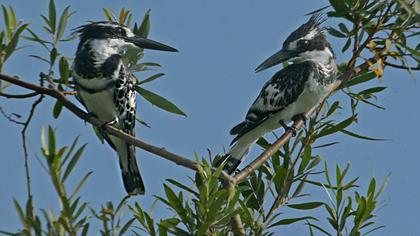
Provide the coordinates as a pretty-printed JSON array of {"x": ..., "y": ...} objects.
[
  {"x": 107, "y": 89},
  {"x": 290, "y": 92}
]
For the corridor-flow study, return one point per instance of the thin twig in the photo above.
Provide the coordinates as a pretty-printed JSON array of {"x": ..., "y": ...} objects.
[
  {"x": 19, "y": 96},
  {"x": 10, "y": 118},
  {"x": 25, "y": 146},
  {"x": 400, "y": 66}
]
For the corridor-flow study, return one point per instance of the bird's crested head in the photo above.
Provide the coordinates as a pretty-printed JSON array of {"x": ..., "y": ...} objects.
[
  {"x": 308, "y": 42},
  {"x": 116, "y": 35}
]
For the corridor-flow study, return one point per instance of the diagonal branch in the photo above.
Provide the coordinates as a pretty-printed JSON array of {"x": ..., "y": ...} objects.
[{"x": 52, "y": 92}]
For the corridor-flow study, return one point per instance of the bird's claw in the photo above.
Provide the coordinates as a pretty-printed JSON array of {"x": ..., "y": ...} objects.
[
  {"x": 89, "y": 115},
  {"x": 286, "y": 128},
  {"x": 103, "y": 126},
  {"x": 300, "y": 116}
]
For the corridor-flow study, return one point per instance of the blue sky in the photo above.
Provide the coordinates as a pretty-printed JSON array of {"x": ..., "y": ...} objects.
[{"x": 212, "y": 79}]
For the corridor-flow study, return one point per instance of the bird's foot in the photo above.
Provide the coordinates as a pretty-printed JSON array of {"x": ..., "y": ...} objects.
[
  {"x": 300, "y": 116},
  {"x": 89, "y": 115},
  {"x": 103, "y": 126},
  {"x": 286, "y": 128}
]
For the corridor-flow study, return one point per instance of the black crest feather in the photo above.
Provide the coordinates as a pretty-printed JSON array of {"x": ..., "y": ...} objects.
[{"x": 314, "y": 22}]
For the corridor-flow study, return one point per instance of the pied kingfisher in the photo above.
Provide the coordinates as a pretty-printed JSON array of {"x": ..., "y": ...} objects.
[
  {"x": 290, "y": 92},
  {"x": 107, "y": 89}
]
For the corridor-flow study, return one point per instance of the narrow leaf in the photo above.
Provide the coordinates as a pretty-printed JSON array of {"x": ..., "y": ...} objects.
[
  {"x": 73, "y": 162},
  {"x": 291, "y": 221},
  {"x": 306, "y": 206},
  {"x": 151, "y": 78},
  {"x": 159, "y": 101},
  {"x": 58, "y": 107}
]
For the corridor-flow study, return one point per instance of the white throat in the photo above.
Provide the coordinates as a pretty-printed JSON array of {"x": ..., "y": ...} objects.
[
  {"x": 324, "y": 57},
  {"x": 104, "y": 48}
]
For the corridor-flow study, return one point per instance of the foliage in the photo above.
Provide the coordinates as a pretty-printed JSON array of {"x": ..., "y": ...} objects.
[{"x": 376, "y": 33}]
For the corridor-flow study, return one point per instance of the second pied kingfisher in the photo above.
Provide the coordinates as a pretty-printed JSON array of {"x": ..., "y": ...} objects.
[
  {"x": 290, "y": 92},
  {"x": 107, "y": 89}
]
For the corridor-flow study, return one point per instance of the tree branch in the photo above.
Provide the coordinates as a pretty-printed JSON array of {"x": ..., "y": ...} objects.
[
  {"x": 19, "y": 96},
  {"x": 400, "y": 66},
  {"x": 52, "y": 92}
]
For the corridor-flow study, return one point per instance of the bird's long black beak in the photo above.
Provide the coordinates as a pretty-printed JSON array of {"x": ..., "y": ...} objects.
[
  {"x": 150, "y": 44},
  {"x": 275, "y": 59}
]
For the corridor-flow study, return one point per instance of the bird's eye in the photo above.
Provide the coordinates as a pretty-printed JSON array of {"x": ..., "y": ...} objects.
[
  {"x": 120, "y": 31},
  {"x": 304, "y": 43}
]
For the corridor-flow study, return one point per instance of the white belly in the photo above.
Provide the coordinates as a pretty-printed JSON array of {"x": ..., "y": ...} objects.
[
  {"x": 101, "y": 104},
  {"x": 313, "y": 94}
]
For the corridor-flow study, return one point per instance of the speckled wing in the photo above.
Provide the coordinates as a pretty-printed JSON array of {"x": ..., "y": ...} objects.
[
  {"x": 281, "y": 90},
  {"x": 125, "y": 103},
  {"x": 125, "y": 100}
]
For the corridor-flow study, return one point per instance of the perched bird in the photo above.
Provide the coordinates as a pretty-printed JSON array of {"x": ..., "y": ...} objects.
[
  {"x": 107, "y": 89},
  {"x": 290, "y": 92}
]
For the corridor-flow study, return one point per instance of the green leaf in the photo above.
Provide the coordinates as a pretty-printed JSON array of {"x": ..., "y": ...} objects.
[
  {"x": 336, "y": 33},
  {"x": 372, "y": 187},
  {"x": 58, "y": 107},
  {"x": 7, "y": 233},
  {"x": 73, "y": 162},
  {"x": 151, "y": 78},
  {"x": 346, "y": 45},
  {"x": 19, "y": 210},
  {"x": 305, "y": 159},
  {"x": 372, "y": 90},
  {"x": 85, "y": 229},
  {"x": 175, "y": 202},
  {"x": 360, "y": 79},
  {"x": 6, "y": 21},
  {"x": 292, "y": 220},
  {"x": 333, "y": 107},
  {"x": 126, "y": 227},
  {"x": 80, "y": 185},
  {"x": 159, "y": 101},
  {"x": 144, "y": 29},
  {"x": 179, "y": 185},
  {"x": 108, "y": 14},
  {"x": 383, "y": 186},
  {"x": 53, "y": 55},
  {"x": 319, "y": 228},
  {"x": 51, "y": 141},
  {"x": 335, "y": 128},
  {"x": 62, "y": 23},
  {"x": 64, "y": 70},
  {"x": 343, "y": 28},
  {"x": 150, "y": 224},
  {"x": 11, "y": 46},
  {"x": 52, "y": 16},
  {"x": 306, "y": 206},
  {"x": 12, "y": 17},
  {"x": 338, "y": 5},
  {"x": 361, "y": 136}
]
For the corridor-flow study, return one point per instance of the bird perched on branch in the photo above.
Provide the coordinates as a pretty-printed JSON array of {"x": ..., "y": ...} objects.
[
  {"x": 107, "y": 89},
  {"x": 291, "y": 92}
]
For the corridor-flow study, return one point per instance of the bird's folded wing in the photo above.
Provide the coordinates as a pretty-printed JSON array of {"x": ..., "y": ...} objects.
[{"x": 281, "y": 90}]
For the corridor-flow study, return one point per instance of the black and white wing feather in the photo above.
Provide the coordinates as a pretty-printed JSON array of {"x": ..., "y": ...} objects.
[{"x": 282, "y": 90}]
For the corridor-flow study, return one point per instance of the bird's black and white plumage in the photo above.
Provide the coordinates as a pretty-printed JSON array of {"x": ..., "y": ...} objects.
[
  {"x": 290, "y": 92},
  {"x": 107, "y": 89}
]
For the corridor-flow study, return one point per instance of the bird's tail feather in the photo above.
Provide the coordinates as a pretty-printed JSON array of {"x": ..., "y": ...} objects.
[
  {"x": 233, "y": 158},
  {"x": 133, "y": 183}
]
